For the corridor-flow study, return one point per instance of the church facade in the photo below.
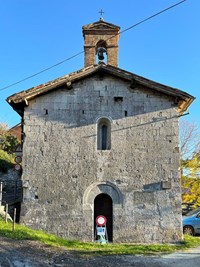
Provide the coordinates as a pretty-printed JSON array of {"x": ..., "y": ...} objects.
[{"x": 102, "y": 141}]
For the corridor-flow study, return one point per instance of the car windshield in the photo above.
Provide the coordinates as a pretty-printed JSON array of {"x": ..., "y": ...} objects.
[{"x": 192, "y": 212}]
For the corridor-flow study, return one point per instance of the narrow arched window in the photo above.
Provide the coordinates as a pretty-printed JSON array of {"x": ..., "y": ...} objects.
[
  {"x": 103, "y": 134},
  {"x": 104, "y": 130}
]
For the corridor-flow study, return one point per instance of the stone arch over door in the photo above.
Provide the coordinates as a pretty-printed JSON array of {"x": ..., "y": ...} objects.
[{"x": 90, "y": 194}]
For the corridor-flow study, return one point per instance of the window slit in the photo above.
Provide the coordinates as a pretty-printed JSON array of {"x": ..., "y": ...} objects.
[
  {"x": 104, "y": 134},
  {"x": 104, "y": 137}
]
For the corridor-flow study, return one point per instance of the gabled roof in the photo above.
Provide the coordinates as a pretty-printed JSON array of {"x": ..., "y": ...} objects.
[
  {"x": 100, "y": 25},
  {"x": 19, "y": 100}
]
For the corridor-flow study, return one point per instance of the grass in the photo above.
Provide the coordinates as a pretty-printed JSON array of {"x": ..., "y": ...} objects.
[
  {"x": 25, "y": 233},
  {"x": 6, "y": 161}
]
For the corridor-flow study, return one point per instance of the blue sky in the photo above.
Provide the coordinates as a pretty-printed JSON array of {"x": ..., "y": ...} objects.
[{"x": 37, "y": 34}]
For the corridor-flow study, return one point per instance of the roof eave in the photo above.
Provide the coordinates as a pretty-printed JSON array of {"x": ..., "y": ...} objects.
[
  {"x": 18, "y": 101},
  {"x": 184, "y": 104}
]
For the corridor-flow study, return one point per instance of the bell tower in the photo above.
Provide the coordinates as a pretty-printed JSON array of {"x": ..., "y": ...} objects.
[{"x": 100, "y": 43}]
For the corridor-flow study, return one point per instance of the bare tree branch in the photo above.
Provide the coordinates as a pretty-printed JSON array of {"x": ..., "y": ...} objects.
[{"x": 189, "y": 138}]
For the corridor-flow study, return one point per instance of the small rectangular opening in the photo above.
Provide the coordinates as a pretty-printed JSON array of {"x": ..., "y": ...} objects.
[
  {"x": 125, "y": 113},
  {"x": 118, "y": 98}
]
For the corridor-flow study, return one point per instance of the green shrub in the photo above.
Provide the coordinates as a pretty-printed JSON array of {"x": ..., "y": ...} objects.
[
  {"x": 6, "y": 161},
  {"x": 8, "y": 142}
]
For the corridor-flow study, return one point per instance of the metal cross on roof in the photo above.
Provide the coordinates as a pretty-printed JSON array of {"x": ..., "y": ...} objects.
[{"x": 101, "y": 12}]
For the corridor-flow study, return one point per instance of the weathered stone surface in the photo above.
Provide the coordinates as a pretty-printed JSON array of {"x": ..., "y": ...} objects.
[{"x": 63, "y": 171}]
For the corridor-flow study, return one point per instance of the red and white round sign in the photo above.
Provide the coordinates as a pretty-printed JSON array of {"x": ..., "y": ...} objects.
[
  {"x": 18, "y": 159},
  {"x": 101, "y": 220},
  {"x": 17, "y": 167}
]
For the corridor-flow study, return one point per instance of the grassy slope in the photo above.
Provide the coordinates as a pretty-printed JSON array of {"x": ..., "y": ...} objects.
[
  {"x": 6, "y": 161},
  {"x": 24, "y": 233}
]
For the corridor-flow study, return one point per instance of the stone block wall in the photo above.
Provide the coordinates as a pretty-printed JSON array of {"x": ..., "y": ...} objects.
[{"x": 63, "y": 171}]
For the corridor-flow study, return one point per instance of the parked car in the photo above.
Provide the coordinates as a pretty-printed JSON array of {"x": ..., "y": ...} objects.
[
  {"x": 191, "y": 222},
  {"x": 186, "y": 207}
]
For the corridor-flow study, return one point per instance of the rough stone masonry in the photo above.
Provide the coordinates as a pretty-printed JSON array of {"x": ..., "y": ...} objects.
[{"x": 96, "y": 133}]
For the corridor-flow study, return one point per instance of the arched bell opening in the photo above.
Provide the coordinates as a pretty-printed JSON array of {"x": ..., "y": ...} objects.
[{"x": 101, "y": 52}]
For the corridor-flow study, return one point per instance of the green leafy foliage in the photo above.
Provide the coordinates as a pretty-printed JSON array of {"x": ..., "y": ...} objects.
[
  {"x": 190, "y": 180},
  {"x": 190, "y": 162},
  {"x": 8, "y": 144},
  {"x": 6, "y": 161}
]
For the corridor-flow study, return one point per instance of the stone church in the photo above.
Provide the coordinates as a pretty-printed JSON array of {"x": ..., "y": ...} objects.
[{"x": 102, "y": 141}]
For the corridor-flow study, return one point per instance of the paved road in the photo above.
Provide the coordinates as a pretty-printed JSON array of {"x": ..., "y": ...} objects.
[{"x": 32, "y": 254}]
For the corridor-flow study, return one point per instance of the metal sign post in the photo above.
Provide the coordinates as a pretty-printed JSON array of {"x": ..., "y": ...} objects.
[
  {"x": 18, "y": 157},
  {"x": 1, "y": 192},
  {"x": 101, "y": 231}
]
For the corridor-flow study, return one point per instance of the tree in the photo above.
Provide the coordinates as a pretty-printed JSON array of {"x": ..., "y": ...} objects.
[
  {"x": 189, "y": 138},
  {"x": 8, "y": 142},
  {"x": 190, "y": 162},
  {"x": 190, "y": 180}
]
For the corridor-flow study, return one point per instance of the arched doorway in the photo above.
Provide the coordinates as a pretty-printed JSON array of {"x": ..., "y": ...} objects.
[{"x": 103, "y": 206}]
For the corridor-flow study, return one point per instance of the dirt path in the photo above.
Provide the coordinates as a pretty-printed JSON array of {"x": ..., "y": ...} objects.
[{"x": 33, "y": 254}]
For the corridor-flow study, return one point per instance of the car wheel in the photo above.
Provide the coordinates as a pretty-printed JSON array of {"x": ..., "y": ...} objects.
[{"x": 188, "y": 230}]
